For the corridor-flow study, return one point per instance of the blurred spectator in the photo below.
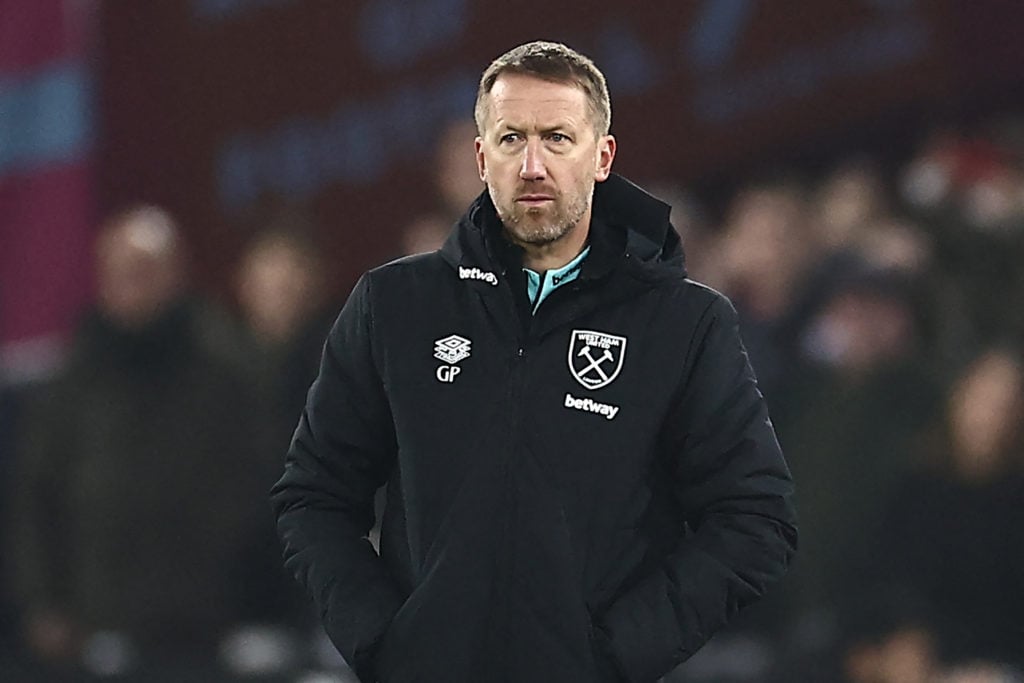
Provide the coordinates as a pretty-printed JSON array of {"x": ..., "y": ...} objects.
[
  {"x": 457, "y": 183},
  {"x": 285, "y": 316},
  {"x": 969, "y": 190},
  {"x": 905, "y": 656},
  {"x": 458, "y": 178},
  {"x": 890, "y": 646},
  {"x": 282, "y": 323},
  {"x": 850, "y": 200},
  {"x": 424, "y": 233},
  {"x": 855, "y": 228},
  {"x": 952, "y": 528},
  {"x": 974, "y": 177},
  {"x": 852, "y": 217},
  {"x": 981, "y": 672},
  {"x": 867, "y": 319},
  {"x": 766, "y": 252},
  {"x": 860, "y": 405},
  {"x": 897, "y": 245},
  {"x": 280, "y": 284},
  {"x": 138, "y": 480}
]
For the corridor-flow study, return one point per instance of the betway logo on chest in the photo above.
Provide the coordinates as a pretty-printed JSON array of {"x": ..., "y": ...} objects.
[
  {"x": 477, "y": 274},
  {"x": 589, "y": 405}
]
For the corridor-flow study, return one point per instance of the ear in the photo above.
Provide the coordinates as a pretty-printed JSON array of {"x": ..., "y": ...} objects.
[
  {"x": 481, "y": 165},
  {"x": 605, "y": 156}
]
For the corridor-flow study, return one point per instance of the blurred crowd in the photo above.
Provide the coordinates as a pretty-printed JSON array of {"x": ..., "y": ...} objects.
[
  {"x": 882, "y": 308},
  {"x": 139, "y": 543}
]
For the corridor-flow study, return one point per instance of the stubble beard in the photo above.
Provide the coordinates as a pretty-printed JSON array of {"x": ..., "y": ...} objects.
[{"x": 538, "y": 226}]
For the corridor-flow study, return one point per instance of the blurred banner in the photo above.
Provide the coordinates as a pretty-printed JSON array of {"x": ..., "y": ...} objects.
[
  {"x": 46, "y": 194},
  {"x": 225, "y": 109}
]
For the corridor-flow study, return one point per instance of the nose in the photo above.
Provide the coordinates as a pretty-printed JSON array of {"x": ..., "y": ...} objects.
[{"x": 533, "y": 162}]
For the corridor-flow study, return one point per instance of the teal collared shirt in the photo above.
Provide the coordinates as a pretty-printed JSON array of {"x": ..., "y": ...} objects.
[{"x": 539, "y": 285}]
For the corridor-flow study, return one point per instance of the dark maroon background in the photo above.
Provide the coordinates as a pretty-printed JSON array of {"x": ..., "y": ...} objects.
[{"x": 176, "y": 86}]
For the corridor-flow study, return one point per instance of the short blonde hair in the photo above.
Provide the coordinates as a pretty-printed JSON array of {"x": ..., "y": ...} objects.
[{"x": 551, "y": 62}]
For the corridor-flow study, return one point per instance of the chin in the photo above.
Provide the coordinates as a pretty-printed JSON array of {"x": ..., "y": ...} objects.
[{"x": 538, "y": 236}]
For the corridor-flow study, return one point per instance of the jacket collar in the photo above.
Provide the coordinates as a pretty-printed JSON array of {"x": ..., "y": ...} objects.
[{"x": 629, "y": 227}]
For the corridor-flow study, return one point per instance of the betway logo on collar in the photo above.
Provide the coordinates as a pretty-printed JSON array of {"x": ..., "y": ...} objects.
[
  {"x": 571, "y": 273},
  {"x": 589, "y": 405},
  {"x": 477, "y": 274}
]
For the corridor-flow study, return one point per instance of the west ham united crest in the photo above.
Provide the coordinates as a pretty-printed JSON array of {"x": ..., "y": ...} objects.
[{"x": 595, "y": 358}]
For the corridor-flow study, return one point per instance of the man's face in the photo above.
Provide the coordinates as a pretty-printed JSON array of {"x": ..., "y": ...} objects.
[
  {"x": 138, "y": 270},
  {"x": 540, "y": 157}
]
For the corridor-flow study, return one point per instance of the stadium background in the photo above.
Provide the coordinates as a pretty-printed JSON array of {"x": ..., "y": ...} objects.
[
  {"x": 219, "y": 108},
  {"x": 227, "y": 111}
]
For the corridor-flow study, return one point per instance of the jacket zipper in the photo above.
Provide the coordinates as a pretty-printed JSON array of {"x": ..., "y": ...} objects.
[{"x": 498, "y": 635}]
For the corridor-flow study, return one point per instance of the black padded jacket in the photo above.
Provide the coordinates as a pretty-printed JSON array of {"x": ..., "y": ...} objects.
[{"x": 583, "y": 494}]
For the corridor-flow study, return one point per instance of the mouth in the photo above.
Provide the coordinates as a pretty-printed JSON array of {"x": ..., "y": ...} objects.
[{"x": 534, "y": 199}]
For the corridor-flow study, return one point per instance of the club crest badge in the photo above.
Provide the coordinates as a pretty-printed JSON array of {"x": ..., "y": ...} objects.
[{"x": 595, "y": 358}]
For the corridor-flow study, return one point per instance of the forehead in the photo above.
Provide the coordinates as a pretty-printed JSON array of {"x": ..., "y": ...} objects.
[{"x": 522, "y": 99}]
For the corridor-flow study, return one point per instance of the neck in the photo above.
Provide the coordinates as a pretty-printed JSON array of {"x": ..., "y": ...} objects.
[{"x": 553, "y": 255}]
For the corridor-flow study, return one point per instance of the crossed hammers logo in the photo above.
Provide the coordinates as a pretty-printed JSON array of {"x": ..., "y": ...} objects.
[{"x": 595, "y": 364}]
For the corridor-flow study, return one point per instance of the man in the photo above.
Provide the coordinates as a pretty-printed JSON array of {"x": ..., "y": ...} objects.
[
  {"x": 137, "y": 479},
  {"x": 583, "y": 483}
]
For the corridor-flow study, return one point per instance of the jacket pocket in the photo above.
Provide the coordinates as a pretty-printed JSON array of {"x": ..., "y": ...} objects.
[
  {"x": 436, "y": 632},
  {"x": 400, "y": 648},
  {"x": 388, "y": 653},
  {"x": 613, "y": 566},
  {"x": 604, "y": 661}
]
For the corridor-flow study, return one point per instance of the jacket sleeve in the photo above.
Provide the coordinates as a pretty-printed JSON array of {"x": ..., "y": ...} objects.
[
  {"x": 732, "y": 483},
  {"x": 340, "y": 455}
]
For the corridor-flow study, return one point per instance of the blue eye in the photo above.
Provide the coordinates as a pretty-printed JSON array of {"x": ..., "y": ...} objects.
[
  {"x": 558, "y": 137},
  {"x": 509, "y": 137}
]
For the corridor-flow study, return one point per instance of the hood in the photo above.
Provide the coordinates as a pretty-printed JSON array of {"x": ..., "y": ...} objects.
[
  {"x": 651, "y": 239},
  {"x": 630, "y": 226}
]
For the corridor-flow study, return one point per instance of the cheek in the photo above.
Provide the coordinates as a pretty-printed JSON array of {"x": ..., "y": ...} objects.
[{"x": 495, "y": 168}]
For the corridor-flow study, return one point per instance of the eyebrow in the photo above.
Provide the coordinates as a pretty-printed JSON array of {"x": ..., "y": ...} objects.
[{"x": 557, "y": 128}]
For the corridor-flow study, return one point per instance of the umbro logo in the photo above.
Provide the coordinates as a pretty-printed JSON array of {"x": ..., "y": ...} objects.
[
  {"x": 451, "y": 350},
  {"x": 477, "y": 274}
]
